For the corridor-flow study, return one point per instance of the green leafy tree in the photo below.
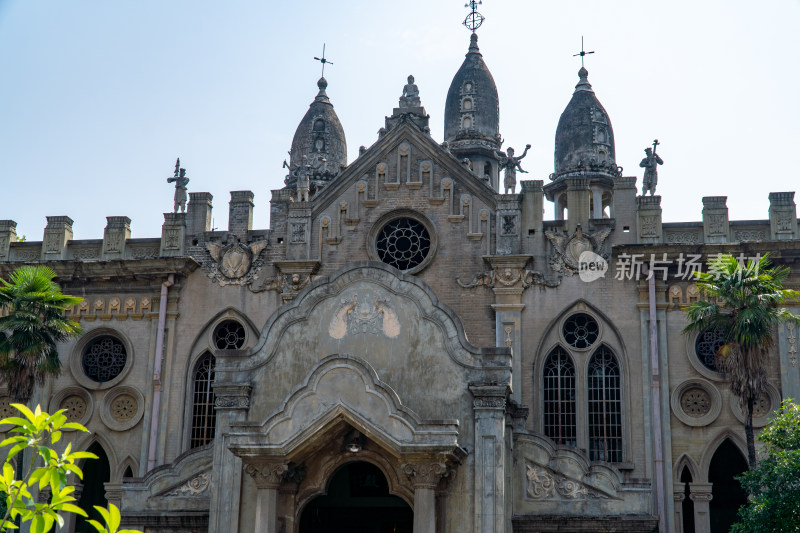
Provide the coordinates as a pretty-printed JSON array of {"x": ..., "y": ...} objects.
[
  {"x": 743, "y": 303},
  {"x": 36, "y": 431},
  {"x": 34, "y": 324},
  {"x": 775, "y": 482}
]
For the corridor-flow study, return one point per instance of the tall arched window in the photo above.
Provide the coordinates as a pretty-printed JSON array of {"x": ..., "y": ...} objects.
[
  {"x": 605, "y": 407},
  {"x": 203, "y": 419},
  {"x": 559, "y": 398}
]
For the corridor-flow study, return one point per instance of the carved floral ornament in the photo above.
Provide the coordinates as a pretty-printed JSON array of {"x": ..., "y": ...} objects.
[
  {"x": 192, "y": 488},
  {"x": 425, "y": 475},
  {"x": 567, "y": 249},
  {"x": 508, "y": 277},
  {"x": 545, "y": 484}
]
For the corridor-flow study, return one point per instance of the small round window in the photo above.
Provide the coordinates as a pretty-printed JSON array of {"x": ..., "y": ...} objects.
[
  {"x": 104, "y": 358},
  {"x": 707, "y": 345},
  {"x": 581, "y": 330},
  {"x": 229, "y": 335},
  {"x": 403, "y": 243}
]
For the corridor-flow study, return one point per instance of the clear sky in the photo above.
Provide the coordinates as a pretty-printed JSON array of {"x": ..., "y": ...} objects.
[{"x": 99, "y": 97}]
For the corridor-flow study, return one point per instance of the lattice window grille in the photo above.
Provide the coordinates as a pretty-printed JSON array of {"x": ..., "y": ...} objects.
[
  {"x": 559, "y": 398},
  {"x": 229, "y": 335},
  {"x": 403, "y": 243},
  {"x": 605, "y": 407},
  {"x": 104, "y": 358},
  {"x": 203, "y": 417},
  {"x": 706, "y": 346}
]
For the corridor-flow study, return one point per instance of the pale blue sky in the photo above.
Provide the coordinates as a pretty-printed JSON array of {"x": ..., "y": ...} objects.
[{"x": 99, "y": 97}]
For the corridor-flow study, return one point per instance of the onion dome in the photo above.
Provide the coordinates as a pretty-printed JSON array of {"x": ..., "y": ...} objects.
[
  {"x": 584, "y": 137},
  {"x": 320, "y": 138},
  {"x": 472, "y": 111}
]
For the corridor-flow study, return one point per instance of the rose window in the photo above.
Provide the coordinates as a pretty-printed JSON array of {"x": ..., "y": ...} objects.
[
  {"x": 696, "y": 402},
  {"x": 229, "y": 335},
  {"x": 403, "y": 243},
  {"x": 706, "y": 346},
  {"x": 75, "y": 408},
  {"x": 104, "y": 358},
  {"x": 581, "y": 330},
  {"x": 124, "y": 407}
]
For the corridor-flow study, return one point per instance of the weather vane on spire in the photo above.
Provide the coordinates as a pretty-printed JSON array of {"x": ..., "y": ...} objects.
[
  {"x": 583, "y": 52},
  {"x": 474, "y": 19},
  {"x": 323, "y": 60}
]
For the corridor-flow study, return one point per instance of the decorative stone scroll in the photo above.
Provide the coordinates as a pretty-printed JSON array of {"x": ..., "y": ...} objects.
[
  {"x": 267, "y": 475},
  {"x": 234, "y": 264},
  {"x": 508, "y": 277},
  {"x": 425, "y": 475},
  {"x": 567, "y": 249},
  {"x": 544, "y": 484},
  {"x": 194, "y": 487}
]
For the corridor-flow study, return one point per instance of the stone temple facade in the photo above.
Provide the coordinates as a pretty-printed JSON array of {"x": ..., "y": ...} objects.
[{"x": 406, "y": 347}]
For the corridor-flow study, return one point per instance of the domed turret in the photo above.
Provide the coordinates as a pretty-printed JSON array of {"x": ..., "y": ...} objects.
[
  {"x": 584, "y": 137},
  {"x": 472, "y": 114},
  {"x": 320, "y": 138}
]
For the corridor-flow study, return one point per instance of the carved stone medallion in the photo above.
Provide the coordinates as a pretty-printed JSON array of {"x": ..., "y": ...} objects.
[
  {"x": 234, "y": 264},
  {"x": 567, "y": 249},
  {"x": 367, "y": 315},
  {"x": 75, "y": 408},
  {"x": 696, "y": 402},
  {"x": 124, "y": 407}
]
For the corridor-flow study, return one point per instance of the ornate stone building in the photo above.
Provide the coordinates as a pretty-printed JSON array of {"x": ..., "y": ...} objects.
[{"x": 408, "y": 347}]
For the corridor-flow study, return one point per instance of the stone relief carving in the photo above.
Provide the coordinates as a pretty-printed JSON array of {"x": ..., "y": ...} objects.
[
  {"x": 567, "y": 249},
  {"x": 696, "y": 402},
  {"x": 784, "y": 221},
  {"x": 750, "y": 235},
  {"x": 508, "y": 277},
  {"x": 490, "y": 402},
  {"x": 370, "y": 316},
  {"x": 194, "y": 487},
  {"x": 298, "y": 232},
  {"x": 267, "y": 475},
  {"x": 425, "y": 475},
  {"x": 682, "y": 238},
  {"x": 234, "y": 264},
  {"x": 287, "y": 284},
  {"x": 716, "y": 224},
  {"x": 238, "y": 402},
  {"x": 115, "y": 309},
  {"x": 650, "y": 226},
  {"x": 791, "y": 338},
  {"x": 75, "y": 408},
  {"x": 544, "y": 484},
  {"x": 173, "y": 239}
]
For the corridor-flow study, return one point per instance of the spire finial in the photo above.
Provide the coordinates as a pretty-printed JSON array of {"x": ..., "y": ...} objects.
[
  {"x": 582, "y": 53},
  {"x": 474, "y": 19},
  {"x": 323, "y": 60}
]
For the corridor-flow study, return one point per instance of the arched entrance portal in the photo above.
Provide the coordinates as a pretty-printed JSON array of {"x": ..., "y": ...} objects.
[
  {"x": 357, "y": 501},
  {"x": 728, "y": 494}
]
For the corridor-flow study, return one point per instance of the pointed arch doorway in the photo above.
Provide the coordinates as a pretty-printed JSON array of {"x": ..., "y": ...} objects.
[{"x": 357, "y": 500}]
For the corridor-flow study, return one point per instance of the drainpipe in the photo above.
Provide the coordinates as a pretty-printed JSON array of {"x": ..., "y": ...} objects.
[
  {"x": 162, "y": 320},
  {"x": 658, "y": 453}
]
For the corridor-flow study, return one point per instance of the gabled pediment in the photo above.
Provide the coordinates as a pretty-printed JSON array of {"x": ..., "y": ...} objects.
[{"x": 404, "y": 157}]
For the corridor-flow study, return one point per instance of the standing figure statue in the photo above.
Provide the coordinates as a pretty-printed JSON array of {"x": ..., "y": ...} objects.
[
  {"x": 180, "y": 180},
  {"x": 410, "y": 97},
  {"x": 511, "y": 165},
  {"x": 303, "y": 180},
  {"x": 650, "y": 166}
]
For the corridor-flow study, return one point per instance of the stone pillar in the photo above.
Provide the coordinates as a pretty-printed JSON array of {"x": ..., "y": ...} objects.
[
  {"x": 597, "y": 203},
  {"x": 509, "y": 214},
  {"x": 114, "y": 493},
  {"x": 701, "y": 495},
  {"x": 298, "y": 231},
  {"x": 198, "y": 213},
  {"x": 425, "y": 477},
  {"x": 116, "y": 234},
  {"x": 648, "y": 219},
  {"x": 240, "y": 215},
  {"x": 623, "y": 209},
  {"x": 532, "y": 207},
  {"x": 577, "y": 203},
  {"x": 678, "y": 498},
  {"x": 782, "y": 216},
  {"x": 173, "y": 234},
  {"x": 716, "y": 227},
  {"x": 8, "y": 234},
  {"x": 789, "y": 350},
  {"x": 489, "y": 406},
  {"x": 56, "y": 235},
  {"x": 70, "y": 518},
  {"x": 268, "y": 476}
]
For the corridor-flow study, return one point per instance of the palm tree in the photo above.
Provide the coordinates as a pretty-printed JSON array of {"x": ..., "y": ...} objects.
[
  {"x": 33, "y": 324},
  {"x": 743, "y": 304}
]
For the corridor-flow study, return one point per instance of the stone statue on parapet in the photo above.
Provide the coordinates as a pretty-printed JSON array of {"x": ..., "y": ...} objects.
[
  {"x": 410, "y": 96},
  {"x": 511, "y": 165},
  {"x": 180, "y": 180},
  {"x": 650, "y": 166},
  {"x": 304, "y": 173}
]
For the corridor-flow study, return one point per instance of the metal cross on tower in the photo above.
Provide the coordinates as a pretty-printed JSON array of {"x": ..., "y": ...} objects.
[
  {"x": 323, "y": 60},
  {"x": 474, "y": 19},
  {"x": 583, "y": 52}
]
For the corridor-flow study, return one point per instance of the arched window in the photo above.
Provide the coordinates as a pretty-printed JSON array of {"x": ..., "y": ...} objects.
[
  {"x": 687, "y": 505},
  {"x": 605, "y": 407},
  {"x": 559, "y": 398},
  {"x": 203, "y": 419}
]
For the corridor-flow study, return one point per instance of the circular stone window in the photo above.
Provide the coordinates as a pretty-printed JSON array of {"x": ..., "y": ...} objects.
[
  {"x": 229, "y": 335},
  {"x": 404, "y": 243},
  {"x": 581, "y": 331},
  {"x": 706, "y": 346},
  {"x": 104, "y": 358}
]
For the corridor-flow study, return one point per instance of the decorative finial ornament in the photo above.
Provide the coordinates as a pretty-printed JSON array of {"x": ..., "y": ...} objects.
[
  {"x": 474, "y": 19},
  {"x": 323, "y": 60},
  {"x": 180, "y": 180},
  {"x": 583, "y": 53}
]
